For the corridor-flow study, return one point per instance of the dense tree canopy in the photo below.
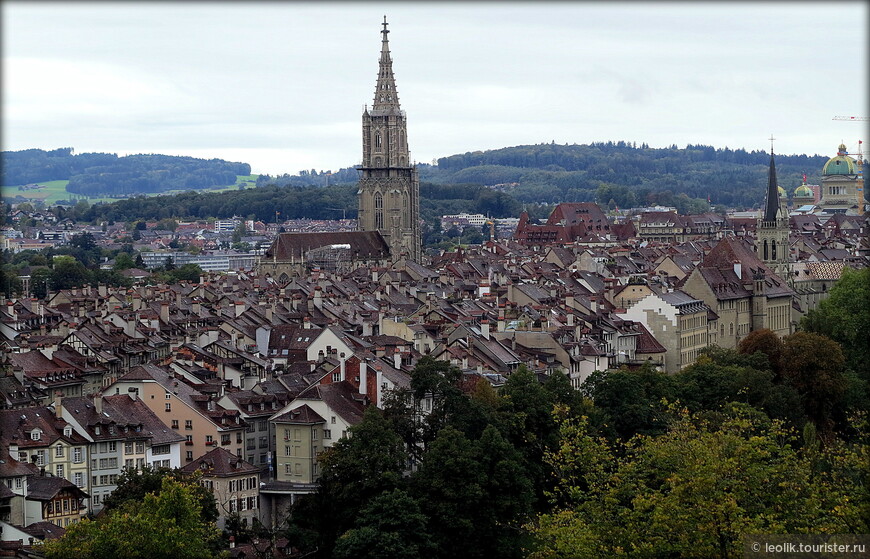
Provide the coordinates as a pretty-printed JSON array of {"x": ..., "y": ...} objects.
[
  {"x": 168, "y": 523},
  {"x": 696, "y": 490}
]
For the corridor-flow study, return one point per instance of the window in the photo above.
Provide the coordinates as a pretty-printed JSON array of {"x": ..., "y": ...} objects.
[
  {"x": 189, "y": 439},
  {"x": 168, "y": 406},
  {"x": 264, "y": 442},
  {"x": 189, "y": 456},
  {"x": 95, "y": 499},
  {"x": 128, "y": 463},
  {"x": 77, "y": 455},
  {"x": 188, "y": 424},
  {"x": 332, "y": 420},
  {"x": 175, "y": 424},
  {"x": 225, "y": 439},
  {"x": 58, "y": 451},
  {"x": 327, "y": 434},
  {"x": 140, "y": 447},
  {"x": 58, "y": 470},
  {"x": 128, "y": 448},
  {"x": 35, "y": 435},
  {"x": 160, "y": 449},
  {"x": 168, "y": 395},
  {"x": 40, "y": 458},
  {"x": 379, "y": 211},
  {"x": 288, "y": 451},
  {"x": 113, "y": 446},
  {"x": 209, "y": 439}
]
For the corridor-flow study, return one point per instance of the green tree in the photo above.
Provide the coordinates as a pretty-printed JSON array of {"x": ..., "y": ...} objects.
[
  {"x": 123, "y": 261},
  {"x": 844, "y": 316},
  {"x": 391, "y": 526},
  {"x": 631, "y": 401},
  {"x": 697, "y": 490},
  {"x": 133, "y": 485},
  {"x": 814, "y": 367},
  {"x": 166, "y": 524},
  {"x": 39, "y": 280},
  {"x": 68, "y": 272}
]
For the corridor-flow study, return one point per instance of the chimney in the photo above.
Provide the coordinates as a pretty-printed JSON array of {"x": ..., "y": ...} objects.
[
  {"x": 484, "y": 329},
  {"x": 318, "y": 297},
  {"x": 240, "y": 308},
  {"x": 13, "y": 450},
  {"x": 164, "y": 311},
  {"x": 570, "y": 318},
  {"x": 738, "y": 269},
  {"x": 374, "y": 275},
  {"x": 343, "y": 367},
  {"x": 101, "y": 289},
  {"x": 363, "y": 374},
  {"x": 306, "y": 322},
  {"x": 397, "y": 360},
  {"x": 196, "y": 307},
  {"x": 58, "y": 402},
  {"x": 98, "y": 403}
]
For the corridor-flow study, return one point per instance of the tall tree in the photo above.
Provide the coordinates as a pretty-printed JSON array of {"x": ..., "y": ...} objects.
[{"x": 844, "y": 316}]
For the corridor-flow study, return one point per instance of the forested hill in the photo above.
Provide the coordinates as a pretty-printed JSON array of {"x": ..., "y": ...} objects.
[
  {"x": 106, "y": 174},
  {"x": 635, "y": 175},
  {"x": 628, "y": 174}
]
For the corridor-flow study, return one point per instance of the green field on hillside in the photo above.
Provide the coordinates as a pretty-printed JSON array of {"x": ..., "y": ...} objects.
[{"x": 52, "y": 192}]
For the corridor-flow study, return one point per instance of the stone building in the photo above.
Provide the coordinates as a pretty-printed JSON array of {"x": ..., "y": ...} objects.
[
  {"x": 772, "y": 229},
  {"x": 842, "y": 184},
  {"x": 389, "y": 188}
]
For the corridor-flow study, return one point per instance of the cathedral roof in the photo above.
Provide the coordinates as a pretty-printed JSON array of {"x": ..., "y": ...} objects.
[{"x": 362, "y": 244}]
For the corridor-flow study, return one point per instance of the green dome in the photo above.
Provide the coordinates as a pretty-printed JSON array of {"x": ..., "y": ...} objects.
[
  {"x": 841, "y": 164},
  {"x": 781, "y": 191},
  {"x": 803, "y": 191}
]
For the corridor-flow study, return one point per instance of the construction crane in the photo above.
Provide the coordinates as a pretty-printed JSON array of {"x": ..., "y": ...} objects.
[
  {"x": 342, "y": 210},
  {"x": 851, "y": 118}
]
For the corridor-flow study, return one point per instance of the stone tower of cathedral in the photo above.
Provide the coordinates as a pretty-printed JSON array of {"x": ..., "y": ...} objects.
[
  {"x": 771, "y": 241},
  {"x": 389, "y": 189}
]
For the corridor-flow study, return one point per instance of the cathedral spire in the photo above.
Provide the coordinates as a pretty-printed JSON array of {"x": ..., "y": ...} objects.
[
  {"x": 772, "y": 206},
  {"x": 386, "y": 96}
]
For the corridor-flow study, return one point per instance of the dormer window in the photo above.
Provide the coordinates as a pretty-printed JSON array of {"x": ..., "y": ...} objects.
[
  {"x": 35, "y": 435},
  {"x": 67, "y": 431}
]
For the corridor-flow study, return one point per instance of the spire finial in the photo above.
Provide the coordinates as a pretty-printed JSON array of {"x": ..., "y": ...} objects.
[
  {"x": 385, "y": 30},
  {"x": 771, "y": 142}
]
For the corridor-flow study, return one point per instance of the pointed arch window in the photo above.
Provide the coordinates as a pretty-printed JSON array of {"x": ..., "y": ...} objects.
[
  {"x": 378, "y": 142},
  {"x": 765, "y": 249},
  {"x": 773, "y": 250},
  {"x": 379, "y": 211}
]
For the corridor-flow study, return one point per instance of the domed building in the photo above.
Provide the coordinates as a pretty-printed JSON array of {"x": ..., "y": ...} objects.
[
  {"x": 842, "y": 185},
  {"x": 804, "y": 195}
]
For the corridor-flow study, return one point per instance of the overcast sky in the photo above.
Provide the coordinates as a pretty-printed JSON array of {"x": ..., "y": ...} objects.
[{"x": 282, "y": 85}]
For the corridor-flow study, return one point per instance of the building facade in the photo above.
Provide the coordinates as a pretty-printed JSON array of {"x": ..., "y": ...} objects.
[
  {"x": 842, "y": 184},
  {"x": 389, "y": 188}
]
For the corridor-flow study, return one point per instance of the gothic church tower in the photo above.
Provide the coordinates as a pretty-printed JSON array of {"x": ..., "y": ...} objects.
[
  {"x": 771, "y": 242},
  {"x": 389, "y": 189}
]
